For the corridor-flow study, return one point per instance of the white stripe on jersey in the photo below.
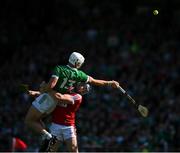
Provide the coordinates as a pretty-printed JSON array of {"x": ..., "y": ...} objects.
[
  {"x": 54, "y": 76},
  {"x": 87, "y": 79}
]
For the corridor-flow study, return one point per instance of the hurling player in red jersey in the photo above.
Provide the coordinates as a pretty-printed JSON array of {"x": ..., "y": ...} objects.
[{"x": 63, "y": 122}]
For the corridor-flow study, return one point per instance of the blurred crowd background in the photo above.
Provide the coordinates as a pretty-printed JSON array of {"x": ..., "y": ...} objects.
[{"x": 121, "y": 41}]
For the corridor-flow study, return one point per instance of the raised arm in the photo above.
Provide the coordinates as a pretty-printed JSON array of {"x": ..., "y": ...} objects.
[
  {"x": 62, "y": 98},
  {"x": 45, "y": 87},
  {"x": 96, "y": 82},
  {"x": 52, "y": 82}
]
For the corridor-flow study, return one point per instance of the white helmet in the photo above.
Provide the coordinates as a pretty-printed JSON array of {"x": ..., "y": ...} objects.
[{"x": 76, "y": 59}]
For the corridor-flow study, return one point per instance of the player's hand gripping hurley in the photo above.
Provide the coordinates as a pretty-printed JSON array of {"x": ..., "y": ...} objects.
[{"x": 143, "y": 110}]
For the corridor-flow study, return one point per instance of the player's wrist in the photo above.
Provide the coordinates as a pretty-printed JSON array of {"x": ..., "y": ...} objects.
[{"x": 109, "y": 83}]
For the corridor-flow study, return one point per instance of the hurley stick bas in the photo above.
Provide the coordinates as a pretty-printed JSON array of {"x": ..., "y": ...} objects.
[{"x": 142, "y": 109}]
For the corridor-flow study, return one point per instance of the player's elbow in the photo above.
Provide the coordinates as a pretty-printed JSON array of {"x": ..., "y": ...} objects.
[{"x": 91, "y": 80}]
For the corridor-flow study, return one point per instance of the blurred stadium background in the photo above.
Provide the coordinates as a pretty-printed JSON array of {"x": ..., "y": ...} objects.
[{"x": 121, "y": 40}]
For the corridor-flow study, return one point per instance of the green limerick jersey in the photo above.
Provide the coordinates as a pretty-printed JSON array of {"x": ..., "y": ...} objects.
[{"x": 67, "y": 77}]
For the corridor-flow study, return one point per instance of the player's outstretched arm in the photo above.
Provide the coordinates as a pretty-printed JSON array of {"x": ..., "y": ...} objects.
[
  {"x": 62, "y": 98},
  {"x": 96, "y": 82}
]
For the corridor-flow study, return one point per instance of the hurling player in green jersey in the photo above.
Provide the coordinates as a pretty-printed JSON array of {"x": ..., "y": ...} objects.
[
  {"x": 62, "y": 80},
  {"x": 64, "y": 77}
]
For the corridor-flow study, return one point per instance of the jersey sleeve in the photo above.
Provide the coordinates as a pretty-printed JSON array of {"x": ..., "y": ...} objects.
[
  {"x": 82, "y": 77},
  {"x": 55, "y": 72}
]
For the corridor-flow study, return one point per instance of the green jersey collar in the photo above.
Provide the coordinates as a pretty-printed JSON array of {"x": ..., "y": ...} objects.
[{"x": 71, "y": 67}]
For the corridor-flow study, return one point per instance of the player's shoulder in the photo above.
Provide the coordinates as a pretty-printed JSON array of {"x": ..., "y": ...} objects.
[
  {"x": 61, "y": 67},
  {"x": 80, "y": 71}
]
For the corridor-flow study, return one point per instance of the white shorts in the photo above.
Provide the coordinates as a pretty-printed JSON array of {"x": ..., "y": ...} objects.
[
  {"x": 62, "y": 132},
  {"x": 44, "y": 103}
]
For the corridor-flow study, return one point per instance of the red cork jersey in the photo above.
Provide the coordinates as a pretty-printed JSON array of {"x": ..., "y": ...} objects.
[{"x": 64, "y": 114}]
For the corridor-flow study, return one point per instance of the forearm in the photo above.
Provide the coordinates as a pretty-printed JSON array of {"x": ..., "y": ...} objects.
[
  {"x": 46, "y": 87},
  {"x": 52, "y": 83},
  {"x": 96, "y": 82},
  {"x": 100, "y": 83},
  {"x": 61, "y": 98}
]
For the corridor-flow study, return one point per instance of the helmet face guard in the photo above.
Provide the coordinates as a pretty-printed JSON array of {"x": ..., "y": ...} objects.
[
  {"x": 78, "y": 64},
  {"x": 76, "y": 59}
]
